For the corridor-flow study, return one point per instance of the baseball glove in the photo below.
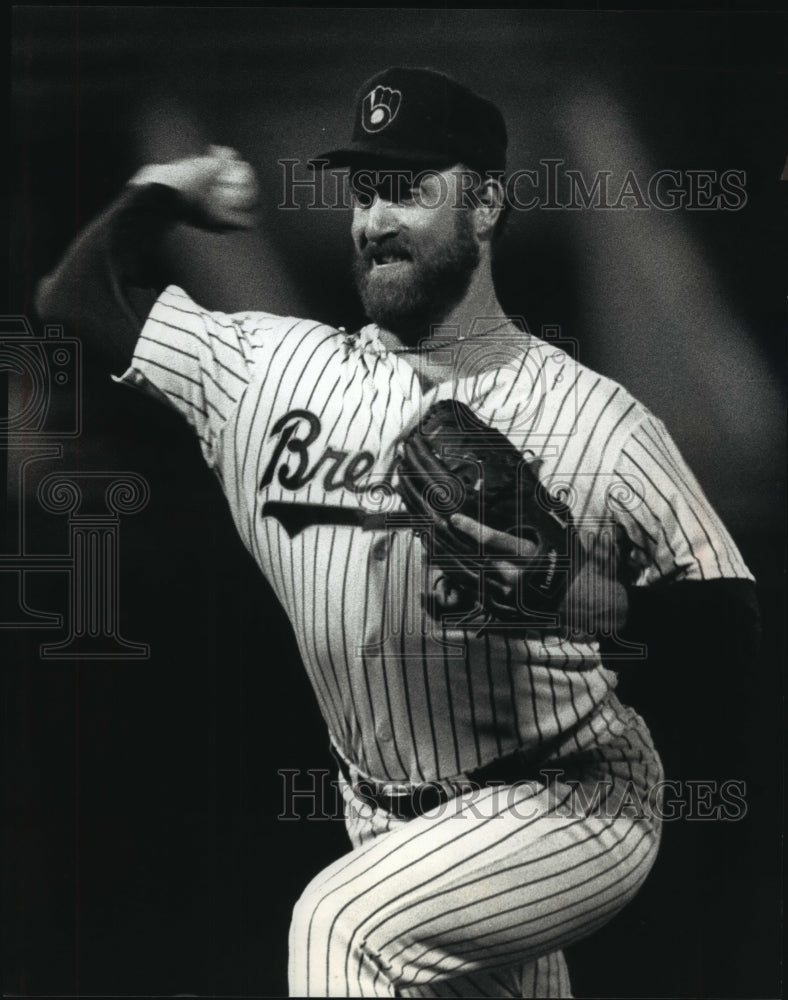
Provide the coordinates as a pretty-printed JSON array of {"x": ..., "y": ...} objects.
[{"x": 453, "y": 463}]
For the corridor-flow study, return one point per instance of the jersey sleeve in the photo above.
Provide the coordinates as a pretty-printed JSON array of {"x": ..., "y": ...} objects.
[
  {"x": 196, "y": 360},
  {"x": 674, "y": 532}
]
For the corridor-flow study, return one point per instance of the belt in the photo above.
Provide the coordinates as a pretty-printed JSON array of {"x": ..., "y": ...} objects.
[{"x": 507, "y": 770}]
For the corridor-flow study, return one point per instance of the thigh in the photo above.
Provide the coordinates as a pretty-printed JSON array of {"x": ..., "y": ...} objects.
[
  {"x": 546, "y": 976},
  {"x": 490, "y": 880}
]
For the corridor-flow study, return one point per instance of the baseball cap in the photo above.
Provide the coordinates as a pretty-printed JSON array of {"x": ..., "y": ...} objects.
[{"x": 409, "y": 115}]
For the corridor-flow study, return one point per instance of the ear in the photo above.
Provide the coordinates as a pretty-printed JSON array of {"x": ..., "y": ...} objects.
[{"x": 489, "y": 200}]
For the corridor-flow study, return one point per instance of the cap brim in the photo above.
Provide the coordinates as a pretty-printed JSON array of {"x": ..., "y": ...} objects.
[{"x": 361, "y": 155}]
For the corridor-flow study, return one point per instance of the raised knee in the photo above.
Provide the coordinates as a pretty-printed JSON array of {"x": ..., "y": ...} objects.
[
  {"x": 322, "y": 923},
  {"x": 310, "y": 918},
  {"x": 328, "y": 956}
]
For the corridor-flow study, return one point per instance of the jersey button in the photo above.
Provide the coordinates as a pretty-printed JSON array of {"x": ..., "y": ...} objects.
[
  {"x": 384, "y": 733},
  {"x": 380, "y": 549}
]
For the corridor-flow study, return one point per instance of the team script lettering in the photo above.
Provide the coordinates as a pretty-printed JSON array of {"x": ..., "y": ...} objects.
[{"x": 297, "y": 430}]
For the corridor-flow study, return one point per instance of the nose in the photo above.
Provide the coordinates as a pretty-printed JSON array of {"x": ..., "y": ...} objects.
[{"x": 374, "y": 221}]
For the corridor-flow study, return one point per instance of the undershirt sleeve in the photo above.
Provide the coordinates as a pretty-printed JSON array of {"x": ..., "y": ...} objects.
[{"x": 109, "y": 277}]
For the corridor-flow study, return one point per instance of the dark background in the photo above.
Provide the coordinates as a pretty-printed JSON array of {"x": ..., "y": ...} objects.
[{"x": 142, "y": 851}]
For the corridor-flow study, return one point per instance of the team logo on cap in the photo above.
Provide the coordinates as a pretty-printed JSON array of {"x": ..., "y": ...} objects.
[{"x": 379, "y": 108}]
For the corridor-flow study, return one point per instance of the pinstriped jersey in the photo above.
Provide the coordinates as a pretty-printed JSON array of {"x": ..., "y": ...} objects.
[{"x": 300, "y": 422}]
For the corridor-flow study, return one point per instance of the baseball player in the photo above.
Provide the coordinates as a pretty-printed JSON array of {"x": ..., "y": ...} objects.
[{"x": 501, "y": 801}]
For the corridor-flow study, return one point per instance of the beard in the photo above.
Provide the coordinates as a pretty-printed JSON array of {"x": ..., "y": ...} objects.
[{"x": 422, "y": 290}]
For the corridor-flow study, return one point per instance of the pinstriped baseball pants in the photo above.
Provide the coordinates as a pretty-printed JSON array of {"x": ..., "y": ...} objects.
[{"x": 478, "y": 896}]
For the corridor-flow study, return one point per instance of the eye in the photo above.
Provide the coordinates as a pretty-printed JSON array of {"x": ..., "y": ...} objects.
[
  {"x": 403, "y": 190},
  {"x": 397, "y": 187},
  {"x": 362, "y": 199},
  {"x": 362, "y": 190}
]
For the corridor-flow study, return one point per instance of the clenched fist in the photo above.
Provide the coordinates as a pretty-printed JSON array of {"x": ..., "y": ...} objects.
[{"x": 219, "y": 189}]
